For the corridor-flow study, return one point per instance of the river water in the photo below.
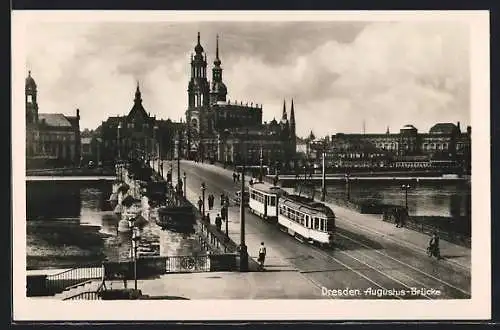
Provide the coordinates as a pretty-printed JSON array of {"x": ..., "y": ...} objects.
[
  {"x": 70, "y": 223},
  {"x": 424, "y": 198}
]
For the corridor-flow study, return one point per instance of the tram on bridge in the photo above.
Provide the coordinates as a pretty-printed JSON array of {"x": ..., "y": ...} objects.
[{"x": 299, "y": 216}]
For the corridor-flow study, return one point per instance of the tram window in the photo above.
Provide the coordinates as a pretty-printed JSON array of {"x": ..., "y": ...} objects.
[
  {"x": 316, "y": 223},
  {"x": 273, "y": 201},
  {"x": 307, "y": 221},
  {"x": 330, "y": 224},
  {"x": 322, "y": 224}
]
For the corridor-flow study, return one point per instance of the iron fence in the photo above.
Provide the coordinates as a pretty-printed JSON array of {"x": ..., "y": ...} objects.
[{"x": 179, "y": 264}]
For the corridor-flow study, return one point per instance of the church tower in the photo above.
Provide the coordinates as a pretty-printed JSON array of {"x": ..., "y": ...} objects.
[
  {"x": 285, "y": 126},
  {"x": 198, "y": 97},
  {"x": 30, "y": 99},
  {"x": 219, "y": 90},
  {"x": 198, "y": 88},
  {"x": 293, "y": 135}
]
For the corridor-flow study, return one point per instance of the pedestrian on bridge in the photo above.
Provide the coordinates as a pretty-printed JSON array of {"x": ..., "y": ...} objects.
[
  {"x": 211, "y": 200},
  {"x": 222, "y": 199},
  {"x": 200, "y": 205},
  {"x": 207, "y": 217},
  {"x": 218, "y": 222},
  {"x": 262, "y": 255}
]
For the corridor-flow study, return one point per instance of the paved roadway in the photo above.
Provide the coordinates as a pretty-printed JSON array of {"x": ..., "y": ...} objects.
[{"x": 359, "y": 261}]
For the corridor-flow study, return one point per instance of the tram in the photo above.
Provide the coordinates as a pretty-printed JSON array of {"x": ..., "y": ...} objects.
[
  {"x": 299, "y": 216},
  {"x": 263, "y": 200}
]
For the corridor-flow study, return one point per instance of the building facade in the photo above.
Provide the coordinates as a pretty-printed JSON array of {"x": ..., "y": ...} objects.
[
  {"x": 136, "y": 135},
  {"x": 218, "y": 129},
  {"x": 444, "y": 146},
  {"x": 52, "y": 139}
]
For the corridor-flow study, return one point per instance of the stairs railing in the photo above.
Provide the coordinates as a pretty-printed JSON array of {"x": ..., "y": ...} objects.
[
  {"x": 87, "y": 295},
  {"x": 56, "y": 283}
]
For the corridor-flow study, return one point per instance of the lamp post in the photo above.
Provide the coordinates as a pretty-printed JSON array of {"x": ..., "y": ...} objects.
[
  {"x": 179, "y": 156},
  {"x": 118, "y": 139},
  {"x": 406, "y": 187},
  {"x": 225, "y": 135},
  {"x": 226, "y": 216},
  {"x": 155, "y": 147},
  {"x": 203, "y": 188},
  {"x": 347, "y": 177},
  {"x": 136, "y": 236},
  {"x": 261, "y": 175},
  {"x": 185, "y": 187},
  {"x": 243, "y": 247},
  {"x": 323, "y": 177}
]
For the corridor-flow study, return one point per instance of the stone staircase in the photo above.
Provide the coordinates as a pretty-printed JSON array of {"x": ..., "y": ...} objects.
[{"x": 86, "y": 291}]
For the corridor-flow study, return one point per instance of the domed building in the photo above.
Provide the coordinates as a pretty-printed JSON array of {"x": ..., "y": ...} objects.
[{"x": 52, "y": 139}]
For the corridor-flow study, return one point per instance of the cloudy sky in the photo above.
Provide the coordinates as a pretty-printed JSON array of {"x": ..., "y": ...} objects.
[{"x": 340, "y": 74}]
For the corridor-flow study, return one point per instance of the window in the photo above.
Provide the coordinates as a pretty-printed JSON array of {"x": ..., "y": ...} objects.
[
  {"x": 330, "y": 224},
  {"x": 273, "y": 201},
  {"x": 30, "y": 98},
  {"x": 316, "y": 223}
]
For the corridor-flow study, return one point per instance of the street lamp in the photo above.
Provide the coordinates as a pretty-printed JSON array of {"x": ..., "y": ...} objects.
[
  {"x": 179, "y": 156},
  {"x": 185, "y": 187},
  {"x": 136, "y": 236},
  {"x": 323, "y": 177},
  {"x": 347, "y": 178},
  {"x": 203, "y": 188},
  {"x": 243, "y": 247},
  {"x": 226, "y": 216},
  {"x": 406, "y": 187},
  {"x": 225, "y": 135},
  {"x": 261, "y": 165},
  {"x": 155, "y": 146},
  {"x": 118, "y": 139}
]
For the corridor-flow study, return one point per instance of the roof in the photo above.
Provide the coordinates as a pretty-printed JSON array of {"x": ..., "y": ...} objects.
[
  {"x": 443, "y": 128},
  {"x": 307, "y": 205},
  {"x": 408, "y": 126},
  {"x": 265, "y": 188},
  {"x": 54, "y": 119}
]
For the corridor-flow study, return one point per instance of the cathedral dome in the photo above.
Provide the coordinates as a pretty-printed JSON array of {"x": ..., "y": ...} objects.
[
  {"x": 30, "y": 82},
  {"x": 198, "y": 49}
]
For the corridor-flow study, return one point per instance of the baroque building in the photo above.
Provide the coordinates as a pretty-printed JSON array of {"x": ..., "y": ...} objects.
[
  {"x": 52, "y": 139},
  {"x": 444, "y": 146},
  {"x": 220, "y": 130}
]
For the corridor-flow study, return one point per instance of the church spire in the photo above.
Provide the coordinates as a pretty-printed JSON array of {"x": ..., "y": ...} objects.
[
  {"x": 138, "y": 98},
  {"x": 217, "y": 61},
  {"x": 284, "y": 116},
  {"x": 292, "y": 115}
]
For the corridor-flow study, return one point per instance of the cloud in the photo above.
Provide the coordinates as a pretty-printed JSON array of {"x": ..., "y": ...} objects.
[{"x": 340, "y": 74}]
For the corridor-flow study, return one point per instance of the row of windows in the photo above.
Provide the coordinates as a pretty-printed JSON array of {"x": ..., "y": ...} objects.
[
  {"x": 260, "y": 197},
  {"x": 316, "y": 223}
]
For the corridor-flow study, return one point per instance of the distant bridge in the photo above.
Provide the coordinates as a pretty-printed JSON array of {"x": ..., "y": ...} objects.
[{"x": 70, "y": 178}]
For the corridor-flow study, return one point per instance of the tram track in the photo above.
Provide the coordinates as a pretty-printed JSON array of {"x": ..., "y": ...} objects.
[
  {"x": 453, "y": 290},
  {"x": 368, "y": 266}
]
